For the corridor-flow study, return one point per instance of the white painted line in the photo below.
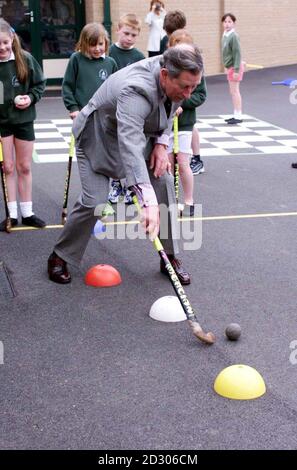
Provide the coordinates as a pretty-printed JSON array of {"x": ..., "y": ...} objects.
[
  {"x": 213, "y": 152},
  {"x": 277, "y": 149},
  {"x": 213, "y": 121},
  {"x": 207, "y": 135},
  {"x": 234, "y": 129},
  {"x": 47, "y": 135},
  {"x": 55, "y": 158},
  {"x": 275, "y": 132},
  {"x": 50, "y": 145},
  {"x": 44, "y": 126},
  {"x": 202, "y": 125},
  {"x": 65, "y": 130},
  {"x": 231, "y": 145},
  {"x": 257, "y": 124},
  {"x": 62, "y": 121},
  {"x": 253, "y": 138},
  {"x": 288, "y": 142}
]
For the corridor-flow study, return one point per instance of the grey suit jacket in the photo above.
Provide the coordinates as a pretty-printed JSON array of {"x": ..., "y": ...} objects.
[{"x": 117, "y": 128}]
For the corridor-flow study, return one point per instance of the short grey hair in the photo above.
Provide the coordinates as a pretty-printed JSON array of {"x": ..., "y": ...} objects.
[{"x": 180, "y": 58}]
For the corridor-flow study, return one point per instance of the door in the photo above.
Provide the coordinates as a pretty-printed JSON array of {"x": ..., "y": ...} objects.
[
  {"x": 49, "y": 29},
  {"x": 60, "y": 23},
  {"x": 20, "y": 15}
]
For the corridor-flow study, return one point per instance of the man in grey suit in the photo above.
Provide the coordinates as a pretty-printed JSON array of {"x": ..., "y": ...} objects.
[{"x": 123, "y": 132}]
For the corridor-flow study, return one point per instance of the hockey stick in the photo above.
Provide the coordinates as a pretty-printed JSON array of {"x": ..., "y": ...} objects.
[
  {"x": 286, "y": 82},
  {"x": 197, "y": 330},
  {"x": 175, "y": 153},
  {"x": 254, "y": 66},
  {"x": 67, "y": 179},
  {"x": 4, "y": 189}
]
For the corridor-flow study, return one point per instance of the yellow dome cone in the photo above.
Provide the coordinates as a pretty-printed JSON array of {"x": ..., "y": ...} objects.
[{"x": 240, "y": 382}]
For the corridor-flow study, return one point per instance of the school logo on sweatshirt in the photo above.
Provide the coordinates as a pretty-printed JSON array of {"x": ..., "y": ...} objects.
[
  {"x": 103, "y": 74},
  {"x": 14, "y": 81}
]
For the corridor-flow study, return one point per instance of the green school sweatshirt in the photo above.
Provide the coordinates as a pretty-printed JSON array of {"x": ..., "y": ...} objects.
[
  {"x": 11, "y": 87},
  {"x": 83, "y": 77},
  {"x": 231, "y": 53},
  {"x": 124, "y": 57},
  {"x": 187, "y": 118}
]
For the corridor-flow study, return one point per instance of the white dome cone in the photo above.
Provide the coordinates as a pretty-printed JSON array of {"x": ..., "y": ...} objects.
[{"x": 167, "y": 309}]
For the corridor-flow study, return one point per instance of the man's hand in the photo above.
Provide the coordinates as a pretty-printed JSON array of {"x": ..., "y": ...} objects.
[
  {"x": 159, "y": 161},
  {"x": 150, "y": 220},
  {"x": 179, "y": 111}
]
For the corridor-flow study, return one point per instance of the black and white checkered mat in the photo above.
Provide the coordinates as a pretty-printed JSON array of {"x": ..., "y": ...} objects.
[
  {"x": 217, "y": 138},
  {"x": 252, "y": 136}
]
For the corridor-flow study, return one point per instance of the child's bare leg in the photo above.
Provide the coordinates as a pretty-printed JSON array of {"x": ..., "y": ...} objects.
[
  {"x": 236, "y": 97},
  {"x": 186, "y": 177},
  {"x": 195, "y": 142},
  {"x": 9, "y": 166},
  {"x": 24, "y": 151}
]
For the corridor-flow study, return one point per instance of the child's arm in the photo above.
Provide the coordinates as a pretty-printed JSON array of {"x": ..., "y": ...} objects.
[
  {"x": 115, "y": 67},
  {"x": 149, "y": 18},
  {"x": 68, "y": 86},
  {"x": 37, "y": 80},
  {"x": 236, "y": 53},
  {"x": 197, "y": 97}
]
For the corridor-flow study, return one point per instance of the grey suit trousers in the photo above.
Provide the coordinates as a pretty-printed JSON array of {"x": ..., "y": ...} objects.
[{"x": 77, "y": 231}]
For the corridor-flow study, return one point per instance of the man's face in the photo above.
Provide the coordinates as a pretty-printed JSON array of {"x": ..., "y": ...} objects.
[{"x": 180, "y": 88}]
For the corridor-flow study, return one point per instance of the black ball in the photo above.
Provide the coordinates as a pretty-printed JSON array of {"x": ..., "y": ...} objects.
[{"x": 233, "y": 331}]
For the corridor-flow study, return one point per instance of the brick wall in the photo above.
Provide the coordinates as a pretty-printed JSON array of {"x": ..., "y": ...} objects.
[
  {"x": 267, "y": 28},
  {"x": 94, "y": 10}
]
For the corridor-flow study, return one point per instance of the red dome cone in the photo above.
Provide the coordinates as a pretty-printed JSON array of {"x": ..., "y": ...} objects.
[{"x": 102, "y": 275}]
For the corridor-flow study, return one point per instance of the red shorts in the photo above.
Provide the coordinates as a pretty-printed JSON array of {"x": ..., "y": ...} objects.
[{"x": 230, "y": 73}]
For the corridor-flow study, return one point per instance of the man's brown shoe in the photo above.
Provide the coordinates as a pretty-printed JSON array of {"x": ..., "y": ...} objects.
[
  {"x": 57, "y": 269},
  {"x": 183, "y": 276}
]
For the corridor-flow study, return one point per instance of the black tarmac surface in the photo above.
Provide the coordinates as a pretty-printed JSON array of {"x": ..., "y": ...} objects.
[{"x": 87, "y": 368}]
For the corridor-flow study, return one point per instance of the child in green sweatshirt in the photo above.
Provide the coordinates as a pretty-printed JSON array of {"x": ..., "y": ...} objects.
[
  {"x": 23, "y": 84},
  {"x": 87, "y": 68},
  {"x": 186, "y": 120},
  {"x": 231, "y": 56}
]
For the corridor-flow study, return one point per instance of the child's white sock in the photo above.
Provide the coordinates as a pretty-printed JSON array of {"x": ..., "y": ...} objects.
[
  {"x": 26, "y": 209},
  {"x": 13, "y": 209},
  {"x": 237, "y": 114}
]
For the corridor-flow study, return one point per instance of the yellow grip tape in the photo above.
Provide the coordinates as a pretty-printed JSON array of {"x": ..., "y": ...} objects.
[
  {"x": 72, "y": 146},
  {"x": 175, "y": 135}
]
